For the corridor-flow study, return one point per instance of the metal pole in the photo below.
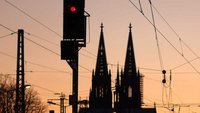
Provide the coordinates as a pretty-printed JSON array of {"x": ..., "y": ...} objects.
[
  {"x": 62, "y": 97},
  {"x": 75, "y": 82},
  {"x": 20, "y": 102}
]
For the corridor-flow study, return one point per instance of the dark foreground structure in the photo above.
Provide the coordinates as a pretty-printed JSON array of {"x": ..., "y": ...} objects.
[
  {"x": 128, "y": 90},
  {"x": 141, "y": 110}
]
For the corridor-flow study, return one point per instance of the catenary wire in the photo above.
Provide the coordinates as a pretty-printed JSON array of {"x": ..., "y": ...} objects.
[
  {"x": 156, "y": 36},
  {"x": 28, "y": 15},
  {"x": 7, "y": 28},
  {"x": 167, "y": 40},
  {"x": 47, "y": 67},
  {"x": 7, "y": 35},
  {"x": 43, "y": 39},
  {"x": 42, "y": 46},
  {"x": 174, "y": 31}
]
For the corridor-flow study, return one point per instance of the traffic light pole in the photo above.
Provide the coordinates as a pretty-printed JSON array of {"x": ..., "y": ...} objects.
[
  {"x": 75, "y": 85},
  {"x": 74, "y": 65},
  {"x": 74, "y": 37}
]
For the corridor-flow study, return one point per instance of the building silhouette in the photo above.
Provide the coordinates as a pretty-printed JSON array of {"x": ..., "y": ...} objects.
[
  {"x": 101, "y": 94},
  {"x": 128, "y": 93},
  {"x": 128, "y": 90}
]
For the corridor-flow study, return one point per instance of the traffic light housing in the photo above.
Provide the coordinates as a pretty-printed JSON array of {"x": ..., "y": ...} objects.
[{"x": 74, "y": 20}]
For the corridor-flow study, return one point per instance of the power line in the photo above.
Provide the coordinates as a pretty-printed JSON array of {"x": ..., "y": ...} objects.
[
  {"x": 49, "y": 90},
  {"x": 3, "y": 53},
  {"x": 56, "y": 45},
  {"x": 87, "y": 56},
  {"x": 42, "y": 46},
  {"x": 174, "y": 31},
  {"x": 185, "y": 63},
  {"x": 43, "y": 39},
  {"x": 43, "y": 66},
  {"x": 149, "y": 69},
  {"x": 30, "y": 83},
  {"x": 156, "y": 36},
  {"x": 7, "y": 35},
  {"x": 38, "y": 45},
  {"x": 85, "y": 68},
  {"x": 7, "y": 28},
  {"x": 28, "y": 15},
  {"x": 90, "y": 53},
  {"x": 166, "y": 39},
  {"x": 54, "y": 52},
  {"x": 178, "y": 36}
]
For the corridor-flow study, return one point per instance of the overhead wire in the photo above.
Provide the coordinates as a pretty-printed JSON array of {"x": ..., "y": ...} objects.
[
  {"x": 36, "y": 21},
  {"x": 47, "y": 40},
  {"x": 181, "y": 46},
  {"x": 53, "y": 52},
  {"x": 7, "y": 28},
  {"x": 184, "y": 63},
  {"x": 46, "y": 89},
  {"x": 181, "y": 53},
  {"x": 180, "y": 40},
  {"x": 31, "y": 17},
  {"x": 156, "y": 28},
  {"x": 164, "y": 89},
  {"x": 90, "y": 53},
  {"x": 167, "y": 40},
  {"x": 25, "y": 13},
  {"x": 178, "y": 36},
  {"x": 7, "y": 35},
  {"x": 50, "y": 42},
  {"x": 156, "y": 36},
  {"x": 43, "y": 39},
  {"x": 141, "y": 10},
  {"x": 42, "y": 46},
  {"x": 22, "y": 11},
  {"x": 47, "y": 67}
]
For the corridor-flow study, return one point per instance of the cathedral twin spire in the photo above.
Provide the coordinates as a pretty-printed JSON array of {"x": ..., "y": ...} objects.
[{"x": 127, "y": 88}]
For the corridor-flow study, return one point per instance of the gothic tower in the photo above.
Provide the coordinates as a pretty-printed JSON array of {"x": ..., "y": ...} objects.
[
  {"x": 117, "y": 91},
  {"x": 130, "y": 82},
  {"x": 100, "y": 94}
]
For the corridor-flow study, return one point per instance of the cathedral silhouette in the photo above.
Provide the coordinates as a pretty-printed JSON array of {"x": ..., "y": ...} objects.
[{"x": 128, "y": 94}]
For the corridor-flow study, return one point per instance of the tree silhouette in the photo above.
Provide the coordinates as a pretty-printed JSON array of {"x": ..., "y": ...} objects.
[{"x": 33, "y": 103}]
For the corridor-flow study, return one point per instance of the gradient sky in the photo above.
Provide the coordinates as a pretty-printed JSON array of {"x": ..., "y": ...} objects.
[{"x": 182, "y": 15}]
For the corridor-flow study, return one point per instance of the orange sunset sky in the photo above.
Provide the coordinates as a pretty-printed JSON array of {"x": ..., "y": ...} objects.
[{"x": 48, "y": 74}]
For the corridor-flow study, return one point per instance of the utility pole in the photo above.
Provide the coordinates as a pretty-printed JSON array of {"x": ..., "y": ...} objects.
[
  {"x": 74, "y": 38},
  {"x": 62, "y": 102},
  {"x": 20, "y": 102}
]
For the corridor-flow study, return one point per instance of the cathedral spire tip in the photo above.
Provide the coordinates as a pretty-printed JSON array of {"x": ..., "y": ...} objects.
[
  {"x": 130, "y": 26},
  {"x": 101, "y": 26}
]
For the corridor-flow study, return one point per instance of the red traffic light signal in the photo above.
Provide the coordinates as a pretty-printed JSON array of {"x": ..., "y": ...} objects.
[
  {"x": 74, "y": 20},
  {"x": 72, "y": 9}
]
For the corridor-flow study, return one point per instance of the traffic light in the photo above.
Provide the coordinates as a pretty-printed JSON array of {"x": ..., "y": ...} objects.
[{"x": 74, "y": 20}]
